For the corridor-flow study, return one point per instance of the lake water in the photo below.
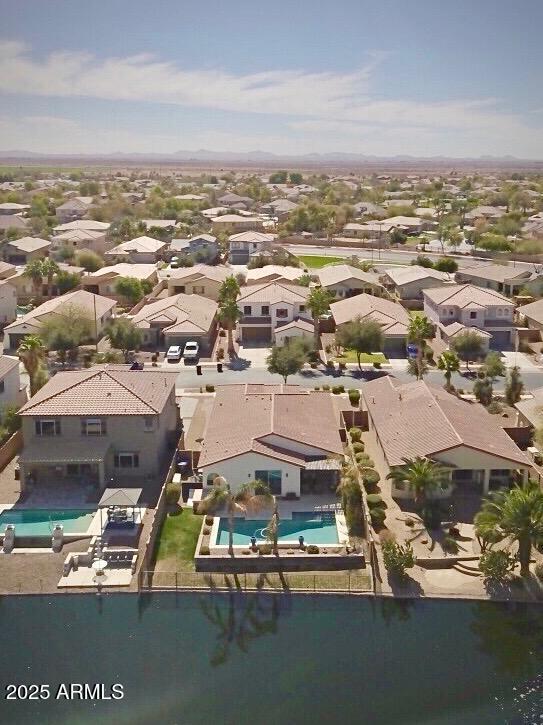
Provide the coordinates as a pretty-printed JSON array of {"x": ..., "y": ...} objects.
[{"x": 258, "y": 659}]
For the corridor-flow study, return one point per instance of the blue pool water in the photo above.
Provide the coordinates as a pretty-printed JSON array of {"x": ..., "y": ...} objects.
[
  {"x": 40, "y": 522},
  {"x": 311, "y": 526}
]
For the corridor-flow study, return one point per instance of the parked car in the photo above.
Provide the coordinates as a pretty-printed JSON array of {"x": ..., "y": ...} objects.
[
  {"x": 174, "y": 353},
  {"x": 191, "y": 350}
]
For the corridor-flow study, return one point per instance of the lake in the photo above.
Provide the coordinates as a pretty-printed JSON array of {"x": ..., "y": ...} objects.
[{"x": 260, "y": 659}]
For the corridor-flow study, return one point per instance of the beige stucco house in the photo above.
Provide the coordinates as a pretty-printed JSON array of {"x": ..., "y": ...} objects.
[
  {"x": 103, "y": 426},
  {"x": 344, "y": 280},
  {"x": 103, "y": 281},
  {"x": 141, "y": 250},
  {"x": 26, "y": 249},
  {"x": 409, "y": 282},
  {"x": 201, "y": 279},
  {"x": 268, "y": 306}
]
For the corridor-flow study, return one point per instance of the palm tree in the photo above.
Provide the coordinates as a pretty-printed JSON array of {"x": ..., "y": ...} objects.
[
  {"x": 34, "y": 271},
  {"x": 272, "y": 529},
  {"x": 229, "y": 314},
  {"x": 49, "y": 268},
  {"x": 251, "y": 496},
  {"x": 420, "y": 329},
  {"x": 318, "y": 302},
  {"x": 422, "y": 477},
  {"x": 229, "y": 289},
  {"x": 516, "y": 514},
  {"x": 32, "y": 353},
  {"x": 449, "y": 362}
]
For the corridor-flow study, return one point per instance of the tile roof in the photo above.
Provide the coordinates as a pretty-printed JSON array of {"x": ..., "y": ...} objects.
[
  {"x": 333, "y": 274},
  {"x": 86, "y": 224},
  {"x": 534, "y": 311},
  {"x": 496, "y": 272},
  {"x": 414, "y": 273},
  {"x": 273, "y": 292},
  {"x": 103, "y": 390},
  {"x": 393, "y": 317},
  {"x": 298, "y": 416},
  {"x": 29, "y": 244},
  {"x": 417, "y": 420},
  {"x": 199, "y": 271},
  {"x": 250, "y": 236},
  {"x": 122, "y": 269},
  {"x": 139, "y": 244},
  {"x": 7, "y": 363},
  {"x": 466, "y": 295},
  {"x": 79, "y": 298},
  {"x": 273, "y": 272},
  {"x": 178, "y": 313}
]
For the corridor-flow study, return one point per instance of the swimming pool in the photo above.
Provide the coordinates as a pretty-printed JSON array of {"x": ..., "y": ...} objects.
[
  {"x": 314, "y": 527},
  {"x": 40, "y": 522}
]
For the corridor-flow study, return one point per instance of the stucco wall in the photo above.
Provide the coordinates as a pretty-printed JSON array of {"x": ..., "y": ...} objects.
[{"x": 241, "y": 469}]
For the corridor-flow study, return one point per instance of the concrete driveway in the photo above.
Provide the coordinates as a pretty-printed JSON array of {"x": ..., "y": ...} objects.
[{"x": 255, "y": 354}]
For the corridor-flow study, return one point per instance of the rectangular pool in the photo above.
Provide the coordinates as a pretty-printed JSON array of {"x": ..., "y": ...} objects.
[
  {"x": 314, "y": 527},
  {"x": 40, "y": 522}
]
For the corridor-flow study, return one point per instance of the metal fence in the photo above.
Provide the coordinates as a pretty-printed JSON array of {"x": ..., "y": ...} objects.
[{"x": 349, "y": 581}]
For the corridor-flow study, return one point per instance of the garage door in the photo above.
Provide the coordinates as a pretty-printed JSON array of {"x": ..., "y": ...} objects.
[
  {"x": 394, "y": 347},
  {"x": 256, "y": 334},
  {"x": 501, "y": 340}
]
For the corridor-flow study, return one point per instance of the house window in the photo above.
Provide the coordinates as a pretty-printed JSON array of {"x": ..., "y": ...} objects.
[
  {"x": 180, "y": 289},
  {"x": 282, "y": 312},
  {"x": 126, "y": 460},
  {"x": 473, "y": 315},
  {"x": 198, "y": 290},
  {"x": 93, "y": 427},
  {"x": 47, "y": 427},
  {"x": 2, "y": 386},
  {"x": 265, "y": 310},
  {"x": 148, "y": 423},
  {"x": 272, "y": 478},
  {"x": 302, "y": 308},
  {"x": 247, "y": 310},
  {"x": 451, "y": 312}
]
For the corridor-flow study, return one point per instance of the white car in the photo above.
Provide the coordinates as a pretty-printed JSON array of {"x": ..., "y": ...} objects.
[
  {"x": 174, "y": 353},
  {"x": 191, "y": 350}
]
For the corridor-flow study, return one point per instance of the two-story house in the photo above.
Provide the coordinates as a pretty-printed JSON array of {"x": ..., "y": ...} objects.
[
  {"x": 245, "y": 244},
  {"x": 202, "y": 248},
  {"x": 267, "y": 307},
  {"x": 502, "y": 278},
  {"x": 201, "y": 279},
  {"x": 73, "y": 209},
  {"x": 141, "y": 250},
  {"x": 99, "y": 427},
  {"x": 457, "y": 307},
  {"x": 12, "y": 392}
]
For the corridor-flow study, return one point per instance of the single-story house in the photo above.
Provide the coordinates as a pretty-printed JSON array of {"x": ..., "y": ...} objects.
[
  {"x": 504, "y": 278},
  {"x": 7, "y": 208},
  {"x": 12, "y": 393},
  {"x": 167, "y": 225},
  {"x": 142, "y": 250},
  {"x": 369, "y": 230},
  {"x": 86, "y": 224},
  {"x": 73, "y": 209},
  {"x": 232, "y": 223},
  {"x": 392, "y": 317},
  {"x": 344, "y": 280},
  {"x": 201, "y": 279},
  {"x": 408, "y": 282},
  {"x": 272, "y": 273},
  {"x": 81, "y": 239},
  {"x": 176, "y": 320},
  {"x": 203, "y": 247},
  {"x": 265, "y": 307},
  {"x": 12, "y": 221},
  {"x": 532, "y": 314},
  {"x": 414, "y": 419},
  {"x": 21, "y": 251},
  {"x": 103, "y": 281}
]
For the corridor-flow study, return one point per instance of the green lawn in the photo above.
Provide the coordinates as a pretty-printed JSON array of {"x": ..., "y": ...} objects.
[
  {"x": 177, "y": 541},
  {"x": 314, "y": 261},
  {"x": 349, "y": 356}
]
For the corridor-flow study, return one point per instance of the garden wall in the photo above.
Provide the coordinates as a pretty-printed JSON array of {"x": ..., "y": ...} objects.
[{"x": 10, "y": 449}]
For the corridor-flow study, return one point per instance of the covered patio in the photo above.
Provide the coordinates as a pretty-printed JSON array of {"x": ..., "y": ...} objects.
[
  {"x": 121, "y": 507},
  {"x": 77, "y": 462}
]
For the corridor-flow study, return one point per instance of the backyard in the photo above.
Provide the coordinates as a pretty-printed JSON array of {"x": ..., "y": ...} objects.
[
  {"x": 314, "y": 261},
  {"x": 349, "y": 356},
  {"x": 177, "y": 541}
]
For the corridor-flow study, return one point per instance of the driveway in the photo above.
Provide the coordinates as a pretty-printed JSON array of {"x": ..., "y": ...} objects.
[
  {"x": 525, "y": 362},
  {"x": 255, "y": 354}
]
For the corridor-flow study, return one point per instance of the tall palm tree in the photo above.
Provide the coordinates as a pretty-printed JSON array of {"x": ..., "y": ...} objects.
[
  {"x": 420, "y": 329},
  {"x": 449, "y": 362},
  {"x": 34, "y": 271},
  {"x": 229, "y": 314},
  {"x": 250, "y": 497},
  {"x": 516, "y": 514},
  {"x": 49, "y": 268},
  {"x": 422, "y": 477},
  {"x": 318, "y": 303},
  {"x": 32, "y": 353},
  {"x": 229, "y": 289}
]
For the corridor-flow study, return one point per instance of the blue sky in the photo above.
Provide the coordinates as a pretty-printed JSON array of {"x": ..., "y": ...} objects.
[{"x": 393, "y": 77}]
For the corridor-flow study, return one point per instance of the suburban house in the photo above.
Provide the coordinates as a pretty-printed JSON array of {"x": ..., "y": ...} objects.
[
  {"x": 273, "y": 273},
  {"x": 99, "y": 427},
  {"x": 73, "y": 209},
  {"x": 280, "y": 208},
  {"x": 85, "y": 224},
  {"x": 201, "y": 279},
  {"x": 103, "y": 281},
  {"x": 25, "y": 288},
  {"x": 531, "y": 315},
  {"x": 12, "y": 221},
  {"x": 81, "y": 239},
  {"x": 414, "y": 419},
  {"x": 233, "y": 223},
  {"x": 502, "y": 278},
  {"x": 289, "y": 439},
  {"x": 176, "y": 320},
  {"x": 11, "y": 390},
  {"x": 530, "y": 410},
  {"x": 142, "y": 250},
  {"x": 203, "y": 246},
  {"x": 392, "y": 317},
  {"x": 99, "y": 309},
  {"x": 409, "y": 224},
  {"x": 167, "y": 225},
  {"x": 487, "y": 213},
  {"x": 241, "y": 246},
  {"x": 344, "y": 280},
  {"x": 369, "y": 230},
  {"x": 7, "y": 270},
  {"x": 472, "y": 307},
  {"x": 8, "y": 303},
  {"x": 21, "y": 251},
  {"x": 7, "y": 208},
  {"x": 235, "y": 200},
  {"x": 408, "y": 282},
  {"x": 268, "y": 306}
]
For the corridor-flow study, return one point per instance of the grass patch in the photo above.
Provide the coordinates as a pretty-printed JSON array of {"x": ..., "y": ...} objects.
[
  {"x": 349, "y": 356},
  {"x": 314, "y": 261},
  {"x": 177, "y": 541}
]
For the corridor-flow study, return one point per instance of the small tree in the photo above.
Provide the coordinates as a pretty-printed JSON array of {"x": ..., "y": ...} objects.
[
  {"x": 398, "y": 557},
  {"x": 123, "y": 335},
  {"x": 468, "y": 346},
  {"x": 66, "y": 281},
  {"x": 286, "y": 360},
  {"x": 494, "y": 366},
  {"x": 448, "y": 362},
  {"x": 482, "y": 389},
  {"x": 90, "y": 261},
  {"x": 496, "y": 565},
  {"x": 130, "y": 288},
  {"x": 446, "y": 264},
  {"x": 318, "y": 302},
  {"x": 514, "y": 387},
  {"x": 420, "y": 329},
  {"x": 362, "y": 336}
]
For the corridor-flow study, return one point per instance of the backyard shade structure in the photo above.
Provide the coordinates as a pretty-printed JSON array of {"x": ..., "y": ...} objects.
[{"x": 116, "y": 500}]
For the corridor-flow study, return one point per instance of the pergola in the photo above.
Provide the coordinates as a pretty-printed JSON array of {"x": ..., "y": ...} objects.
[{"x": 117, "y": 502}]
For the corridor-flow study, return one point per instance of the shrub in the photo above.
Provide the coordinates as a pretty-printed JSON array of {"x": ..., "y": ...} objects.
[
  {"x": 351, "y": 502},
  {"x": 326, "y": 387},
  {"x": 398, "y": 557},
  {"x": 317, "y": 387},
  {"x": 375, "y": 499},
  {"x": 246, "y": 552},
  {"x": 354, "y": 396},
  {"x": 358, "y": 447},
  {"x": 210, "y": 388},
  {"x": 204, "y": 550},
  {"x": 337, "y": 389},
  {"x": 377, "y": 515},
  {"x": 449, "y": 545},
  {"x": 312, "y": 549},
  {"x": 222, "y": 333},
  {"x": 154, "y": 357},
  {"x": 206, "y": 531},
  {"x": 330, "y": 364},
  {"x": 264, "y": 549},
  {"x": 356, "y": 434},
  {"x": 365, "y": 461},
  {"x": 495, "y": 407},
  {"x": 370, "y": 476},
  {"x": 209, "y": 520},
  {"x": 173, "y": 491},
  {"x": 496, "y": 565},
  {"x": 361, "y": 458},
  {"x": 377, "y": 365},
  {"x": 220, "y": 353}
]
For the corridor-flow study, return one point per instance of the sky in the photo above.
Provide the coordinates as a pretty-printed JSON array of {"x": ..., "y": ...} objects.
[{"x": 386, "y": 78}]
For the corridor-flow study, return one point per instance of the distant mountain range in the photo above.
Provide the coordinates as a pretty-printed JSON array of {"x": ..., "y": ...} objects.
[{"x": 266, "y": 157}]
